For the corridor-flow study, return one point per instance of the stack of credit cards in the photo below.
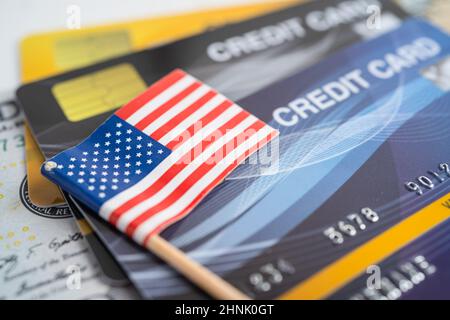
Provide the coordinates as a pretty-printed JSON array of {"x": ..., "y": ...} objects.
[{"x": 353, "y": 200}]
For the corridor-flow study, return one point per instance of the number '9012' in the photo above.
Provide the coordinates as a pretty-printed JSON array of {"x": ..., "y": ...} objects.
[{"x": 429, "y": 181}]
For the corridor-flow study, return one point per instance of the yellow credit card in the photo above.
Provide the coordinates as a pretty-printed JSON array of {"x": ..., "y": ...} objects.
[{"x": 64, "y": 50}]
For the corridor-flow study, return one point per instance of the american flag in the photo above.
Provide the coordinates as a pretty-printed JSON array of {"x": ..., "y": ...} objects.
[{"x": 158, "y": 156}]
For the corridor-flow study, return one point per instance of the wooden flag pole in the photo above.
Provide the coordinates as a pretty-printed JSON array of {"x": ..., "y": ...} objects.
[{"x": 198, "y": 274}]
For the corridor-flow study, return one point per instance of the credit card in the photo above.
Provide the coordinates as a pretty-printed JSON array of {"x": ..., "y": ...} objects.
[
  {"x": 358, "y": 134},
  {"x": 134, "y": 260},
  {"x": 64, "y": 50},
  {"x": 43, "y": 254},
  {"x": 419, "y": 271}
]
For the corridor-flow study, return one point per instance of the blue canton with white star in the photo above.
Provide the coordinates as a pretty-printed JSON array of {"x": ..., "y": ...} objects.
[{"x": 112, "y": 159}]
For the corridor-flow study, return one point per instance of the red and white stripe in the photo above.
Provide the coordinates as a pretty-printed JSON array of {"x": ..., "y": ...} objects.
[{"x": 171, "y": 111}]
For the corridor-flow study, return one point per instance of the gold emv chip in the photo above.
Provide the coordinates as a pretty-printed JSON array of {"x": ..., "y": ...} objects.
[{"x": 98, "y": 92}]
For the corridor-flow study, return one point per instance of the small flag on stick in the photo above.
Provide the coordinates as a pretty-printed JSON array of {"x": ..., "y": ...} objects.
[{"x": 156, "y": 158}]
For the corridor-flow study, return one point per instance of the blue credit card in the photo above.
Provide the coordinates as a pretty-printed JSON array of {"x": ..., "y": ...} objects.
[
  {"x": 356, "y": 131},
  {"x": 349, "y": 142}
]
